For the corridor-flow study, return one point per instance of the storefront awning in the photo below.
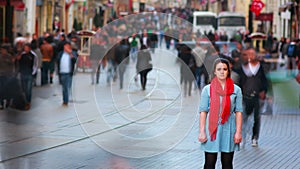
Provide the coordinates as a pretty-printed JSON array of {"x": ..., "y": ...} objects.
[
  {"x": 258, "y": 35},
  {"x": 86, "y": 33}
]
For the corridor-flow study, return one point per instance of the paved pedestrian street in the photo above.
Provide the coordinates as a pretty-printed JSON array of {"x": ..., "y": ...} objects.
[{"x": 107, "y": 128}]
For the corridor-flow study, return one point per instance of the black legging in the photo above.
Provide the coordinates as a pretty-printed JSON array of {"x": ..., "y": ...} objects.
[
  {"x": 211, "y": 159},
  {"x": 143, "y": 75}
]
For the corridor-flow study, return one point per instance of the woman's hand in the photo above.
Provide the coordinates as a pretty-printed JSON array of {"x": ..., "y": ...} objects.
[
  {"x": 202, "y": 137},
  {"x": 237, "y": 137}
]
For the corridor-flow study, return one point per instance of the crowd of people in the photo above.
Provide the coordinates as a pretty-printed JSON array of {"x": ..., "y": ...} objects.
[
  {"x": 237, "y": 76},
  {"x": 219, "y": 129},
  {"x": 247, "y": 71},
  {"x": 32, "y": 62}
]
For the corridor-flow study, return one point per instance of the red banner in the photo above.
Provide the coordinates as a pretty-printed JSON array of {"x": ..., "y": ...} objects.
[
  {"x": 3, "y": 2},
  {"x": 16, "y": 2},
  {"x": 264, "y": 17},
  {"x": 257, "y": 6}
]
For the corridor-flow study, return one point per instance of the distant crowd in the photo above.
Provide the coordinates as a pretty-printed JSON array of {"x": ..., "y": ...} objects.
[{"x": 148, "y": 30}]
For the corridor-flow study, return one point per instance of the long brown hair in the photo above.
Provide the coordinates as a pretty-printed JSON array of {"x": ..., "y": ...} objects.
[{"x": 217, "y": 61}]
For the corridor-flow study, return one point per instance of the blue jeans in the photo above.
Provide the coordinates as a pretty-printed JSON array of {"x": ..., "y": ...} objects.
[
  {"x": 110, "y": 71},
  {"x": 45, "y": 72},
  {"x": 27, "y": 81},
  {"x": 251, "y": 105},
  {"x": 122, "y": 69},
  {"x": 198, "y": 74},
  {"x": 66, "y": 82},
  {"x": 133, "y": 53}
]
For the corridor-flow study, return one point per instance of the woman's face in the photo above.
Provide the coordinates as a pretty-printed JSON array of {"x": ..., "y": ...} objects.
[{"x": 221, "y": 71}]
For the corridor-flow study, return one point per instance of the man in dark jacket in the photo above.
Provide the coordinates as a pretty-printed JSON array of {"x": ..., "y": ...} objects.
[
  {"x": 66, "y": 63},
  {"x": 121, "y": 55},
  {"x": 28, "y": 63},
  {"x": 254, "y": 85}
]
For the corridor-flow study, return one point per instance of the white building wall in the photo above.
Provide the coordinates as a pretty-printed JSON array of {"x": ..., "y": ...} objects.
[
  {"x": 284, "y": 20},
  {"x": 30, "y": 17},
  {"x": 70, "y": 18}
]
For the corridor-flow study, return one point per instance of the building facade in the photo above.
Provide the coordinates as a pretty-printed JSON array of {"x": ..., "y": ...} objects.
[
  {"x": 13, "y": 16},
  {"x": 288, "y": 18}
]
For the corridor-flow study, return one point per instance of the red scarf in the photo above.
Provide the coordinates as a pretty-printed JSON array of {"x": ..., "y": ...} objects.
[{"x": 216, "y": 91}]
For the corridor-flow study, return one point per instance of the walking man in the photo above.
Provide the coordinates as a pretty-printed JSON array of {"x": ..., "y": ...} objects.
[
  {"x": 121, "y": 55},
  {"x": 48, "y": 53},
  {"x": 254, "y": 85},
  {"x": 199, "y": 55},
  {"x": 66, "y": 63},
  {"x": 28, "y": 64}
]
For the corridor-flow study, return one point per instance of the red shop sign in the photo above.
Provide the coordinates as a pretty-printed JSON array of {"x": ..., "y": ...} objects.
[{"x": 264, "y": 17}]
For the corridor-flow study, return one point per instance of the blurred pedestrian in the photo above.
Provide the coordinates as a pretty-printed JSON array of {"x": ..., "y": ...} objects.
[
  {"x": 236, "y": 56},
  {"x": 28, "y": 65},
  {"x": 11, "y": 92},
  {"x": 66, "y": 63},
  {"x": 61, "y": 43},
  {"x": 134, "y": 45},
  {"x": 187, "y": 69},
  {"x": 143, "y": 65},
  {"x": 121, "y": 56},
  {"x": 153, "y": 40},
  {"x": 6, "y": 60},
  {"x": 285, "y": 49},
  {"x": 111, "y": 74},
  {"x": 98, "y": 49},
  {"x": 6, "y": 72},
  {"x": 254, "y": 86},
  {"x": 269, "y": 41},
  {"x": 212, "y": 54},
  {"x": 35, "y": 48},
  {"x": 220, "y": 117},
  {"x": 199, "y": 54},
  {"x": 145, "y": 39},
  {"x": 47, "y": 64},
  {"x": 225, "y": 50},
  {"x": 167, "y": 37},
  {"x": 292, "y": 56}
]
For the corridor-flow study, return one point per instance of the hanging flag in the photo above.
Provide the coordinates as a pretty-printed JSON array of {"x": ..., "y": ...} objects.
[{"x": 257, "y": 6}]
